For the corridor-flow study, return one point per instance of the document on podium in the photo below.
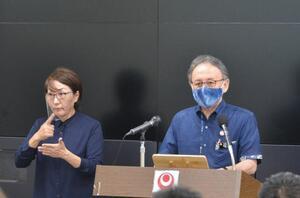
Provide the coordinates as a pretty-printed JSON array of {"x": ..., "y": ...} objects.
[{"x": 179, "y": 161}]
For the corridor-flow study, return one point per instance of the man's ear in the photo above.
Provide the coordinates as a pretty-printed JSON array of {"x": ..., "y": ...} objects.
[
  {"x": 191, "y": 85},
  {"x": 225, "y": 86}
]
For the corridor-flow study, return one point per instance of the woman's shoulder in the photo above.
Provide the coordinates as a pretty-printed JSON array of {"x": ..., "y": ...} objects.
[
  {"x": 40, "y": 120},
  {"x": 86, "y": 118}
]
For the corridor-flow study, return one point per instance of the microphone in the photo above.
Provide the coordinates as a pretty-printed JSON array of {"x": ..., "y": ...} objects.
[
  {"x": 223, "y": 122},
  {"x": 155, "y": 120}
]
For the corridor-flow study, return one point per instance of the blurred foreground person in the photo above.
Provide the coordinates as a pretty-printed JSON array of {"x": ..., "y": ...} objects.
[
  {"x": 177, "y": 192},
  {"x": 281, "y": 185}
]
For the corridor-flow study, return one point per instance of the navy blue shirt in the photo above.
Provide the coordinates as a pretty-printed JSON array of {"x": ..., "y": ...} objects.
[
  {"x": 55, "y": 177},
  {"x": 191, "y": 133}
]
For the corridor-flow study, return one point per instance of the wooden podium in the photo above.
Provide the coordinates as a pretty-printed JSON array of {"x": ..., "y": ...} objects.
[{"x": 125, "y": 181}]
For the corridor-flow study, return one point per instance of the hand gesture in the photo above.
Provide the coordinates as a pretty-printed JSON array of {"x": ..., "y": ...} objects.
[
  {"x": 58, "y": 150},
  {"x": 45, "y": 131}
]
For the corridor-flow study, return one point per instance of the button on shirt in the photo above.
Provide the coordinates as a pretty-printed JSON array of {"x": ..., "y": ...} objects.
[
  {"x": 55, "y": 177},
  {"x": 191, "y": 133}
]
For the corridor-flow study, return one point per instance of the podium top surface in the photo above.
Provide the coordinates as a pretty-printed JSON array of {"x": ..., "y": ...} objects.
[{"x": 179, "y": 161}]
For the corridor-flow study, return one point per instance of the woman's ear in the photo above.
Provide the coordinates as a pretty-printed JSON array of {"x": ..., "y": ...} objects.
[{"x": 77, "y": 94}]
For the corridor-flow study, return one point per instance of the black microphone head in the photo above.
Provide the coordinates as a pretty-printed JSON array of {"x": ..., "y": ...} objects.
[
  {"x": 223, "y": 120},
  {"x": 155, "y": 120}
]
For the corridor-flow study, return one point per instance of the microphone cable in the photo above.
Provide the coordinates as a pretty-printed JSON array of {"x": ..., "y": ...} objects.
[{"x": 119, "y": 150}]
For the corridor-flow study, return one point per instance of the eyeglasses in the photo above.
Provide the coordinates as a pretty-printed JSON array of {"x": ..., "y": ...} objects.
[
  {"x": 59, "y": 96},
  {"x": 209, "y": 83}
]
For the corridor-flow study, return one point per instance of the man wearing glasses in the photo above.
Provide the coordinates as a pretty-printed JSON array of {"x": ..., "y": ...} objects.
[{"x": 196, "y": 130}]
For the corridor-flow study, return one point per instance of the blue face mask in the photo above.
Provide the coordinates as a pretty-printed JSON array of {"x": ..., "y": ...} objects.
[{"x": 207, "y": 97}]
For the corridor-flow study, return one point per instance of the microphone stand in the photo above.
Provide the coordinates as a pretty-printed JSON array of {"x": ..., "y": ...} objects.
[
  {"x": 229, "y": 145},
  {"x": 142, "y": 149}
]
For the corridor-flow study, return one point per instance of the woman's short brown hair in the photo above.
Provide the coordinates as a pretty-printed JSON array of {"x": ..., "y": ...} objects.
[{"x": 67, "y": 77}]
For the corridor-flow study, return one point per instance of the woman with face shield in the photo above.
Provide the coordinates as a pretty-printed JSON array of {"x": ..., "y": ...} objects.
[{"x": 67, "y": 145}]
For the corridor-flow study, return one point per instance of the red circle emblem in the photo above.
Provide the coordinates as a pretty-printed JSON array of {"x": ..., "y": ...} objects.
[{"x": 165, "y": 180}]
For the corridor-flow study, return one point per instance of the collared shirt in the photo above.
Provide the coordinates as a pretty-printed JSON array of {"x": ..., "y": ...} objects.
[
  {"x": 191, "y": 133},
  {"x": 55, "y": 177}
]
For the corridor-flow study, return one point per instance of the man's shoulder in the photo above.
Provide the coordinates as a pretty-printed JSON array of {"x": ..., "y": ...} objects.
[
  {"x": 240, "y": 111},
  {"x": 190, "y": 111}
]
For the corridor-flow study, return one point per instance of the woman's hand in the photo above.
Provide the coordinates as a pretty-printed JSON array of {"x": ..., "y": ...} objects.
[
  {"x": 45, "y": 131},
  {"x": 57, "y": 150}
]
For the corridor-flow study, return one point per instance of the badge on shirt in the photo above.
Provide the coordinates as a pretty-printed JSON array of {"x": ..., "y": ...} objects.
[
  {"x": 222, "y": 133},
  {"x": 220, "y": 145}
]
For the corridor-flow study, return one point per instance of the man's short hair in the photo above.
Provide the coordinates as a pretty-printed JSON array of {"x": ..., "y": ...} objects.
[
  {"x": 177, "y": 192},
  {"x": 281, "y": 185},
  {"x": 207, "y": 59}
]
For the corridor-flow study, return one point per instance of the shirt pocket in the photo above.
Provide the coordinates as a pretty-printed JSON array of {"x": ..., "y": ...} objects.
[{"x": 222, "y": 155}]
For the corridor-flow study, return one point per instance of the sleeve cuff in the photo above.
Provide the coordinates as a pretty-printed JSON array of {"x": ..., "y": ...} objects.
[
  {"x": 27, "y": 151},
  {"x": 251, "y": 157},
  {"x": 84, "y": 165}
]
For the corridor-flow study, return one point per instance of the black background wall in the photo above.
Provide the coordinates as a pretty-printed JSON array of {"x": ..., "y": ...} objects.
[{"x": 133, "y": 55}]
